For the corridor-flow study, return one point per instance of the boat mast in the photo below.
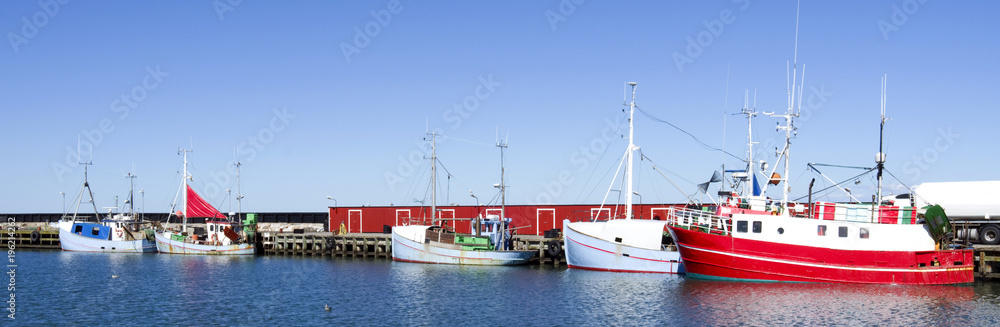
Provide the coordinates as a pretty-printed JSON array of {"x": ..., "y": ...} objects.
[
  {"x": 751, "y": 171},
  {"x": 239, "y": 194},
  {"x": 433, "y": 177},
  {"x": 86, "y": 187},
  {"x": 880, "y": 157},
  {"x": 131, "y": 195},
  {"x": 184, "y": 188},
  {"x": 628, "y": 154},
  {"x": 503, "y": 182},
  {"x": 502, "y": 227}
]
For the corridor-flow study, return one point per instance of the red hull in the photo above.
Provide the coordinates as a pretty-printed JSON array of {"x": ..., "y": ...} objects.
[{"x": 725, "y": 257}]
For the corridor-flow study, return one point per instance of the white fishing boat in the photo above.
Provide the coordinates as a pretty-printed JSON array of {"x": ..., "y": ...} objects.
[
  {"x": 623, "y": 244},
  {"x": 222, "y": 236},
  {"x": 118, "y": 233},
  {"x": 488, "y": 243},
  {"x": 432, "y": 244}
]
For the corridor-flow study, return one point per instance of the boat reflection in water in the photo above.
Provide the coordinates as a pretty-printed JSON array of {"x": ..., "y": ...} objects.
[{"x": 763, "y": 304}]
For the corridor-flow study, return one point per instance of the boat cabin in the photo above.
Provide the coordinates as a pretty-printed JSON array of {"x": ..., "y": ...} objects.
[
  {"x": 216, "y": 232},
  {"x": 493, "y": 227},
  {"x": 110, "y": 230},
  {"x": 92, "y": 230}
]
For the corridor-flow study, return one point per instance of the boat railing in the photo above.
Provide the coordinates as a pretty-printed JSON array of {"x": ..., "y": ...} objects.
[
  {"x": 705, "y": 221},
  {"x": 418, "y": 220},
  {"x": 863, "y": 212}
]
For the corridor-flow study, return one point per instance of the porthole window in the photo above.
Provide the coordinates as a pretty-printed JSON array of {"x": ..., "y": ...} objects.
[
  {"x": 756, "y": 227},
  {"x": 821, "y": 230},
  {"x": 842, "y": 231},
  {"x": 741, "y": 226},
  {"x": 781, "y": 230},
  {"x": 864, "y": 233}
]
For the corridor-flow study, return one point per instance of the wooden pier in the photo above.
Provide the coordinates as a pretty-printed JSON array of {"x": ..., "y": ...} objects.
[
  {"x": 33, "y": 239},
  {"x": 356, "y": 245},
  {"x": 379, "y": 245},
  {"x": 987, "y": 261}
]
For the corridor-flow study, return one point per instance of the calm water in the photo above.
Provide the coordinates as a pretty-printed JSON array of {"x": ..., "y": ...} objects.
[{"x": 63, "y": 288}]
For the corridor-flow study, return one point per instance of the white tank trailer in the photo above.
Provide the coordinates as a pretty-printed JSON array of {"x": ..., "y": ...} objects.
[{"x": 972, "y": 207}]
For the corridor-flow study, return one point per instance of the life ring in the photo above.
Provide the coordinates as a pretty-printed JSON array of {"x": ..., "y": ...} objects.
[
  {"x": 120, "y": 232},
  {"x": 213, "y": 239},
  {"x": 553, "y": 248},
  {"x": 35, "y": 236}
]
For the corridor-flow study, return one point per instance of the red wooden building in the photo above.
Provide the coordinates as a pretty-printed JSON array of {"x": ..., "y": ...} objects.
[{"x": 528, "y": 219}]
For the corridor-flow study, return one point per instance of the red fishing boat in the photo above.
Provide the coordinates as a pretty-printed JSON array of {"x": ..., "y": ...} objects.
[{"x": 746, "y": 238}]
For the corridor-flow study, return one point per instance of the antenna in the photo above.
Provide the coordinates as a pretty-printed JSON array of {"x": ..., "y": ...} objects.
[
  {"x": 790, "y": 114},
  {"x": 625, "y": 93},
  {"x": 239, "y": 192},
  {"x": 795, "y": 55}
]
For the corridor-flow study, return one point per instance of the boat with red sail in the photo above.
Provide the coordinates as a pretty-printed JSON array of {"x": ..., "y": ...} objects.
[{"x": 221, "y": 236}]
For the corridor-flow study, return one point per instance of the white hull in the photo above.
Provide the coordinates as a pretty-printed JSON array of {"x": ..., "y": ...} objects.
[
  {"x": 592, "y": 246},
  {"x": 408, "y": 245},
  {"x": 165, "y": 245},
  {"x": 72, "y": 242}
]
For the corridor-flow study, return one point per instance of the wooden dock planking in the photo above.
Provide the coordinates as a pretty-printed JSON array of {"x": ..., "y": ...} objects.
[
  {"x": 48, "y": 239},
  {"x": 987, "y": 261},
  {"x": 376, "y": 245}
]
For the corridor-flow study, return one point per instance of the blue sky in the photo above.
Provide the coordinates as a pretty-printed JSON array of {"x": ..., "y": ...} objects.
[{"x": 317, "y": 109}]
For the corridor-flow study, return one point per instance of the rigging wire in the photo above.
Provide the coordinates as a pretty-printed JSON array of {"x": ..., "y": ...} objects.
[
  {"x": 653, "y": 163},
  {"x": 410, "y": 193},
  {"x": 606, "y": 148},
  {"x": 606, "y": 173},
  {"x": 450, "y": 176},
  {"x": 699, "y": 141},
  {"x": 831, "y": 186}
]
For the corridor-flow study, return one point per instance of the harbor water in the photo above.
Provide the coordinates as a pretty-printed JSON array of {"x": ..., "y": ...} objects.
[{"x": 68, "y": 288}]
